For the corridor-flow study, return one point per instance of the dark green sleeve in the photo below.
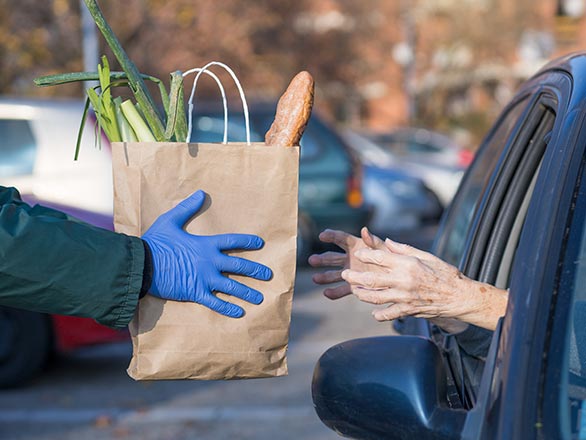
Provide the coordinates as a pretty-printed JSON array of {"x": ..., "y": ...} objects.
[{"x": 53, "y": 263}]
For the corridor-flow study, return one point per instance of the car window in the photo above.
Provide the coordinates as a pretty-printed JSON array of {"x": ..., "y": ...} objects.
[
  {"x": 314, "y": 140},
  {"x": 405, "y": 147},
  {"x": 452, "y": 235},
  {"x": 210, "y": 129},
  {"x": 416, "y": 147},
  {"x": 17, "y": 149},
  {"x": 506, "y": 210}
]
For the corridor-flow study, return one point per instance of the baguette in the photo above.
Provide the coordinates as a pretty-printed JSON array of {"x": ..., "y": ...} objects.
[{"x": 293, "y": 112}]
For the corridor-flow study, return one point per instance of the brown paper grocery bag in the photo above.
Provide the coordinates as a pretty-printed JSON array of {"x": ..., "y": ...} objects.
[{"x": 251, "y": 189}]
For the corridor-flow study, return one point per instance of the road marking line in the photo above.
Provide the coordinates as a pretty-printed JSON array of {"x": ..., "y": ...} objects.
[{"x": 160, "y": 415}]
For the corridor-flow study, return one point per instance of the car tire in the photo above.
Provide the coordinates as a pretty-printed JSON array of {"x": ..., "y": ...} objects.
[
  {"x": 305, "y": 241},
  {"x": 25, "y": 343}
]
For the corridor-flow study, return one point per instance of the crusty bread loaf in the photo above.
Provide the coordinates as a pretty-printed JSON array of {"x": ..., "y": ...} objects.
[{"x": 293, "y": 112}]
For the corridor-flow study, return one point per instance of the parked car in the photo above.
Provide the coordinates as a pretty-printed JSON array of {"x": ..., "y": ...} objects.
[
  {"x": 518, "y": 221},
  {"x": 36, "y": 156},
  {"x": 400, "y": 202},
  {"x": 423, "y": 145},
  {"x": 330, "y": 176},
  {"x": 433, "y": 157}
]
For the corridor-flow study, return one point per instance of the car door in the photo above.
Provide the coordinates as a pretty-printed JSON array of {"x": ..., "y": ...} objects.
[
  {"x": 524, "y": 251},
  {"x": 561, "y": 412},
  {"x": 481, "y": 232}
]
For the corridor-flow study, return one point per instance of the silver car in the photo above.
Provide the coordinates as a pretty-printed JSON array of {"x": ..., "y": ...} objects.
[
  {"x": 433, "y": 157},
  {"x": 400, "y": 201}
]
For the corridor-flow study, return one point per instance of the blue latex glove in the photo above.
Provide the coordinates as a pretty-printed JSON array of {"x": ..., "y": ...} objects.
[{"x": 189, "y": 267}]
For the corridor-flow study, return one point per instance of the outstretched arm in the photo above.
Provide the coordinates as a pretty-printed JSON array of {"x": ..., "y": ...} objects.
[
  {"x": 53, "y": 263},
  {"x": 412, "y": 282}
]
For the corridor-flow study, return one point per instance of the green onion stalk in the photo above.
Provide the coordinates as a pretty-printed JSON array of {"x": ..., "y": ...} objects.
[{"x": 122, "y": 120}]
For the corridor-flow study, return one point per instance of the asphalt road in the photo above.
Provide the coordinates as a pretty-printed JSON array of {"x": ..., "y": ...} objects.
[{"x": 87, "y": 394}]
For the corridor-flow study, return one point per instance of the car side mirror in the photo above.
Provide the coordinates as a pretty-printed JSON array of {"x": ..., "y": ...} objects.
[{"x": 385, "y": 387}]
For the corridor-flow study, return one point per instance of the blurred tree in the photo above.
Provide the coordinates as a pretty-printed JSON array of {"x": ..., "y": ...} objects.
[
  {"x": 37, "y": 38},
  {"x": 464, "y": 51},
  {"x": 468, "y": 58},
  {"x": 267, "y": 42}
]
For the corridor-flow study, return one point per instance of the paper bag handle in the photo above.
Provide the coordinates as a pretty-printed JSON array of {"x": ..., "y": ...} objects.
[
  {"x": 205, "y": 69},
  {"x": 224, "y": 101}
]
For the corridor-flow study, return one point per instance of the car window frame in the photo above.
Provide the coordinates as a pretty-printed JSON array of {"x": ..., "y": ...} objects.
[
  {"x": 485, "y": 215},
  {"x": 465, "y": 396},
  {"x": 447, "y": 224},
  {"x": 514, "y": 191},
  {"x": 489, "y": 207},
  {"x": 503, "y": 207}
]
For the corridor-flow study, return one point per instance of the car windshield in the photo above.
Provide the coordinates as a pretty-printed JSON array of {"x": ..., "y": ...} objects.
[{"x": 17, "y": 149}]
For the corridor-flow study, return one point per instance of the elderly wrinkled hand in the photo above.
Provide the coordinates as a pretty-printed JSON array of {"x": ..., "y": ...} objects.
[
  {"x": 416, "y": 283},
  {"x": 340, "y": 261}
]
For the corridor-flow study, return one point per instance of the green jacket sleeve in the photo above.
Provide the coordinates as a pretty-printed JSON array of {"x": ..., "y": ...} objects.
[{"x": 53, "y": 263}]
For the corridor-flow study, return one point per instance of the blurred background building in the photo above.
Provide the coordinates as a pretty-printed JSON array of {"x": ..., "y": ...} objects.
[{"x": 448, "y": 65}]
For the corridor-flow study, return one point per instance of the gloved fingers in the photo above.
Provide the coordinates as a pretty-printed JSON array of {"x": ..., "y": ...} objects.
[
  {"x": 222, "y": 307},
  {"x": 226, "y": 242},
  {"x": 239, "y": 290},
  {"x": 242, "y": 266},
  {"x": 184, "y": 210}
]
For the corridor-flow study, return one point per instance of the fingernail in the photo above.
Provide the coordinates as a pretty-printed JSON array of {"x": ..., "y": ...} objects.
[{"x": 394, "y": 243}]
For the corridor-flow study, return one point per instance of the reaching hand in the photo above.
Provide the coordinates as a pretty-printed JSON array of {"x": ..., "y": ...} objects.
[
  {"x": 189, "y": 267},
  {"x": 342, "y": 260},
  {"x": 416, "y": 283}
]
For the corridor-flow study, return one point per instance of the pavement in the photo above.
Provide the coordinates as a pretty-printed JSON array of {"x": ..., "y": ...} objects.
[{"x": 88, "y": 395}]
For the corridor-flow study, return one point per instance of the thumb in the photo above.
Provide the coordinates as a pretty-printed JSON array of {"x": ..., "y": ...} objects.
[
  {"x": 371, "y": 240},
  {"x": 405, "y": 249},
  {"x": 186, "y": 209}
]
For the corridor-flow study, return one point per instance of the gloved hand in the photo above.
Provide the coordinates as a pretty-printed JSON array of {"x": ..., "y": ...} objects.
[{"x": 189, "y": 267}]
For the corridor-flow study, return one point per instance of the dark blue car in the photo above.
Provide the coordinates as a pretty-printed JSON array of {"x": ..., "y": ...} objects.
[
  {"x": 330, "y": 176},
  {"x": 518, "y": 221}
]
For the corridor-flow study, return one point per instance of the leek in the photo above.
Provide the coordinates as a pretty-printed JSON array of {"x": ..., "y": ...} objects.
[
  {"x": 140, "y": 128},
  {"x": 137, "y": 85},
  {"x": 126, "y": 130}
]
